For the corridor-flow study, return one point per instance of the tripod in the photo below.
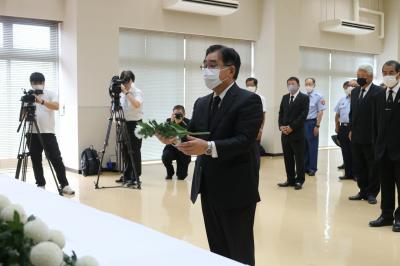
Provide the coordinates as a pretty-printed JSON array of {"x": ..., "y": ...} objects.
[
  {"x": 123, "y": 138},
  {"x": 28, "y": 123}
]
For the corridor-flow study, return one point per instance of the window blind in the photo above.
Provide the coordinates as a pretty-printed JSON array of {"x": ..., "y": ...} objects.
[{"x": 26, "y": 46}]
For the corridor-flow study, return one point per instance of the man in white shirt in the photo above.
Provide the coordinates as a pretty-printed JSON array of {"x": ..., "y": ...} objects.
[
  {"x": 252, "y": 85},
  {"x": 132, "y": 105},
  {"x": 46, "y": 105}
]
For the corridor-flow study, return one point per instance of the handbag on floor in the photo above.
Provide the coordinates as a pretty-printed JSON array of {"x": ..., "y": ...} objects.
[{"x": 90, "y": 162}]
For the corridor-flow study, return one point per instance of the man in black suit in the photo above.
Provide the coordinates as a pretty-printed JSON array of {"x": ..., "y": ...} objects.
[
  {"x": 387, "y": 145},
  {"x": 293, "y": 113},
  {"x": 361, "y": 135},
  {"x": 226, "y": 173},
  {"x": 170, "y": 153}
]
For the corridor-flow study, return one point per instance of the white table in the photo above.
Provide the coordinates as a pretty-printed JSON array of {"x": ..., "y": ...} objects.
[{"x": 110, "y": 239}]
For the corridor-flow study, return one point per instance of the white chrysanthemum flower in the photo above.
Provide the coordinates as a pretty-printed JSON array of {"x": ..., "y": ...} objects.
[
  {"x": 37, "y": 230},
  {"x": 57, "y": 238},
  {"x": 4, "y": 202},
  {"x": 7, "y": 214},
  {"x": 46, "y": 254},
  {"x": 87, "y": 261},
  {"x": 137, "y": 133}
]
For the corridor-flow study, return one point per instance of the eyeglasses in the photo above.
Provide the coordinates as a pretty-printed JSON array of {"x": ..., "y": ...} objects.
[{"x": 202, "y": 67}]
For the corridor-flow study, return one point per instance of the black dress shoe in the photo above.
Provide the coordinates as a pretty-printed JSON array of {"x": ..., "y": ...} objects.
[
  {"x": 346, "y": 178},
  {"x": 298, "y": 186},
  {"x": 341, "y": 167},
  {"x": 357, "y": 197},
  {"x": 285, "y": 184},
  {"x": 381, "y": 221},
  {"x": 181, "y": 178},
  {"x": 396, "y": 226},
  {"x": 121, "y": 180},
  {"x": 372, "y": 200},
  {"x": 168, "y": 177},
  {"x": 311, "y": 173}
]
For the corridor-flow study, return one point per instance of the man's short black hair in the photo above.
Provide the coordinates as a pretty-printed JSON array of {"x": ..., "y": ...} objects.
[
  {"x": 127, "y": 74},
  {"x": 229, "y": 57},
  {"x": 255, "y": 81},
  {"x": 313, "y": 80},
  {"x": 179, "y": 107},
  {"x": 295, "y": 79},
  {"x": 346, "y": 84},
  {"x": 394, "y": 63},
  {"x": 37, "y": 77}
]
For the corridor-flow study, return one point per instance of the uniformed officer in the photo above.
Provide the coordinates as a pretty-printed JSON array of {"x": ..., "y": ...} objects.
[
  {"x": 312, "y": 124},
  {"x": 342, "y": 128}
]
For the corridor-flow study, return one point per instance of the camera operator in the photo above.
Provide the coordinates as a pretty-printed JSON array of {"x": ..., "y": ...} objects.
[
  {"x": 46, "y": 105},
  {"x": 170, "y": 153},
  {"x": 132, "y": 104}
]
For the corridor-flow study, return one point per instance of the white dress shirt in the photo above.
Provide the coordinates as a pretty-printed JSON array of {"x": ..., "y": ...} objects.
[
  {"x": 295, "y": 95},
  {"x": 131, "y": 112},
  {"x": 395, "y": 90},
  {"x": 45, "y": 117},
  {"x": 366, "y": 90}
]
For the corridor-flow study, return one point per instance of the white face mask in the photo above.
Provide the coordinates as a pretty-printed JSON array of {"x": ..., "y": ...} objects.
[
  {"x": 348, "y": 90},
  {"x": 292, "y": 89},
  {"x": 390, "y": 81},
  {"x": 252, "y": 88},
  {"x": 211, "y": 78},
  {"x": 38, "y": 87},
  {"x": 309, "y": 89}
]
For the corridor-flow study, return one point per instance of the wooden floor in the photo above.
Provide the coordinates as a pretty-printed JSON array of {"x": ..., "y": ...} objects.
[{"x": 317, "y": 226}]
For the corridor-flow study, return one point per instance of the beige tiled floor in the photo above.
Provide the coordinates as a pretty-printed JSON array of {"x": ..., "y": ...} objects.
[{"x": 316, "y": 226}]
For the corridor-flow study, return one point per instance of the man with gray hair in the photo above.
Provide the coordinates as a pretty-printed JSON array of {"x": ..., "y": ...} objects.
[{"x": 361, "y": 115}]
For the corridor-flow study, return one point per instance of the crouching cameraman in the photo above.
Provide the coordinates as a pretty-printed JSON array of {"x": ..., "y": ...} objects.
[
  {"x": 46, "y": 105},
  {"x": 170, "y": 153},
  {"x": 132, "y": 105}
]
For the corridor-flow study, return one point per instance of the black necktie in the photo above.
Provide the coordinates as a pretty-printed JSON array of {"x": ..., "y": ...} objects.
[
  {"x": 291, "y": 99},
  {"x": 389, "y": 102},
  {"x": 362, "y": 94},
  {"x": 214, "y": 107}
]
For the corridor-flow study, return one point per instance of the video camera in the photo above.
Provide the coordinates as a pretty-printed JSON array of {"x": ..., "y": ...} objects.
[
  {"x": 29, "y": 97},
  {"x": 115, "y": 86}
]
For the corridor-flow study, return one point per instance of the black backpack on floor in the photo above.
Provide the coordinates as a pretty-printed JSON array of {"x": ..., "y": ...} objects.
[{"x": 90, "y": 162}]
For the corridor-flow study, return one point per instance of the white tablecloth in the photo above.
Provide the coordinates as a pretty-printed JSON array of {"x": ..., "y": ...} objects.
[{"x": 110, "y": 239}]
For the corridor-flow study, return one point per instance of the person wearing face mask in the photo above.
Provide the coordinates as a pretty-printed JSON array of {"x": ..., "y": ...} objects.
[
  {"x": 387, "y": 146},
  {"x": 46, "y": 105},
  {"x": 225, "y": 173},
  {"x": 251, "y": 85},
  {"x": 312, "y": 125},
  {"x": 361, "y": 123},
  {"x": 292, "y": 116},
  {"x": 132, "y": 105},
  {"x": 342, "y": 111},
  {"x": 170, "y": 153}
]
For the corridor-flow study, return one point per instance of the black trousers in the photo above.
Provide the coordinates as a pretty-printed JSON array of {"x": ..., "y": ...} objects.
[
  {"x": 171, "y": 154},
  {"x": 365, "y": 169},
  {"x": 230, "y": 232},
  {"x": 136, "y": 145},
  {"x": 293, "y": 153},
  {"x": 54, "y": 155},
  {"x": 345, "y": 142},
  {"x": 390, "y": 179},
  {"x": 257, "y": 150}
]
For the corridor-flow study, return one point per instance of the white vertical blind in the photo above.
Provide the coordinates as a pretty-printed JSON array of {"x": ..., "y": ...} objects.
[
  {"x": 26, "y": 46},
  {"x": 330, "y": 69},
  {"x": 167, "y": 70}
]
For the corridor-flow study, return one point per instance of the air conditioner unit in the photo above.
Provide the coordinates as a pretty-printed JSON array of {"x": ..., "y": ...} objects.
[
  {"x": 347, "y": 27},
  {"x": 205, "y": 7}
]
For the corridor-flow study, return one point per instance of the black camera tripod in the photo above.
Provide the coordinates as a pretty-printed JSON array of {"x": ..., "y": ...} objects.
[
  {"x": 28, "y": 123},
  {"x": 123, "y": 138}
]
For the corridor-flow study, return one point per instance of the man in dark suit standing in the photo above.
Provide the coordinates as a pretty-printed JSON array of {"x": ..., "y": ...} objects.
[
  {"x": 361, "y": 135},
  {"x": 170, "y": 153},
  {"x": 293, "y": 113},
  {"x": 226, "y": 173},
  {"x": 387, "y": 145}
]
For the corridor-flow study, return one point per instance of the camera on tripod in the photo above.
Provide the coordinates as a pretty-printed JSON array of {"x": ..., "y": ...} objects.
[
  {"x": 178, "y": 116},
  {"x": 115, "y": 86},
  {"x": 29, "y": 96}
]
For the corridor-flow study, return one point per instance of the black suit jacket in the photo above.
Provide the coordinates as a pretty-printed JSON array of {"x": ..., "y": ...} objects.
[
  {"x": 231, "y": 180},
  {"x": 362, "y": 115},
  {"x": 387, "y": 128},
  {"x": 294, "y": 115}
]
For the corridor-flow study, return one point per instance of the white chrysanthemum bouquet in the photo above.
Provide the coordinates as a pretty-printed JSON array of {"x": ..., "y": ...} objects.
[{"x": 28, "y": 240}]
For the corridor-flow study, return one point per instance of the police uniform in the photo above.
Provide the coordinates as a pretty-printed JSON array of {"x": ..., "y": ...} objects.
[
  {"x": 343, "y": 109},
  {"x": 317, "y": 104}
]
